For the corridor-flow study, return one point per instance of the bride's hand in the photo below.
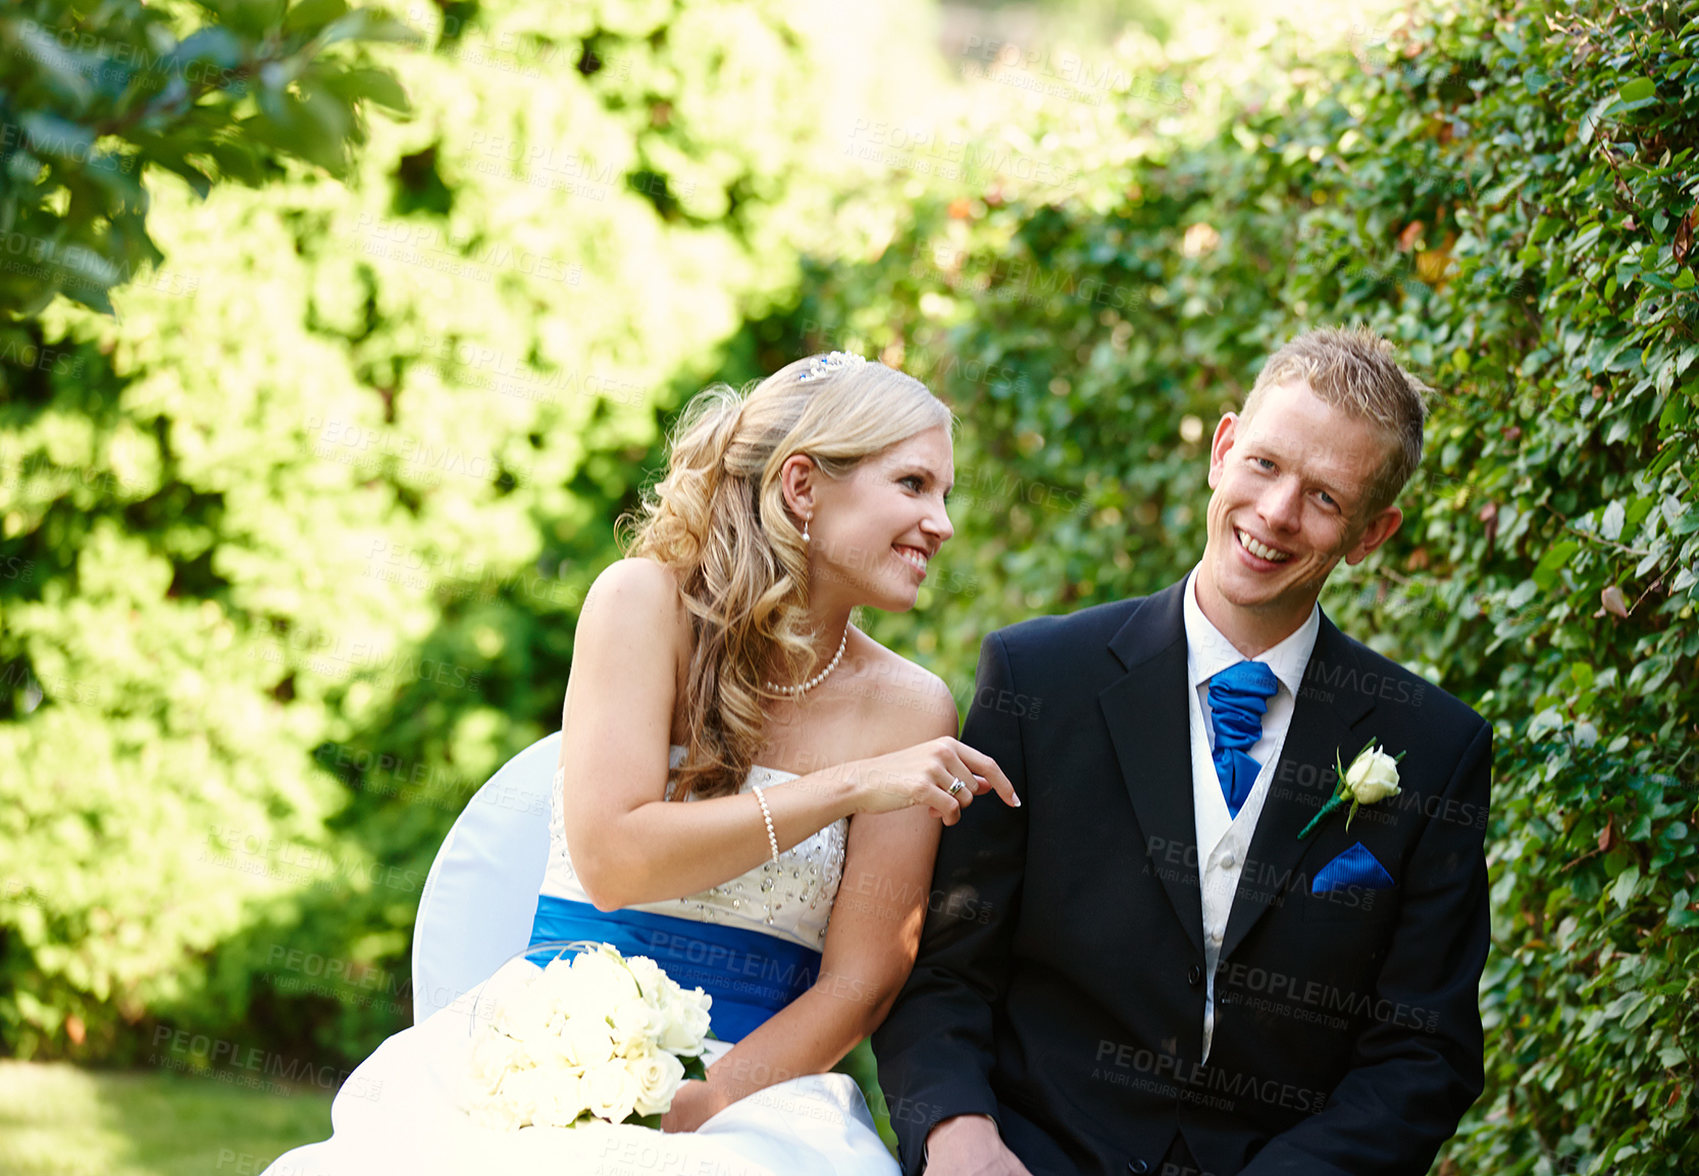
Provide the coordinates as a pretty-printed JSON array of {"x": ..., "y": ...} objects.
[
  {"x": 694, "y": 1103},
  {"x": 923, "y": 775}
]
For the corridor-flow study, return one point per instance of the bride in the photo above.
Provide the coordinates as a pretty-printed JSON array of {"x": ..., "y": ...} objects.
[{"x": 750, "y": 791}]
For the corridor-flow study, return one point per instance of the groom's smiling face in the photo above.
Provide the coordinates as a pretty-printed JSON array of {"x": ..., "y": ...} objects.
[{"x": 1293, "y": 495}]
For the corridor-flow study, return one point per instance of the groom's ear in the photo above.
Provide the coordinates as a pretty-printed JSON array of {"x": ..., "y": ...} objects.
[
  {"x": 1223, "y": 441},
  {"x": 1381, "y": 528},
  {"x": 796, "y": 483}
]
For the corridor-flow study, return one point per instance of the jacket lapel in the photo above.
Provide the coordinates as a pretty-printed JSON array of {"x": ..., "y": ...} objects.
[
  {"x": 1149, "y": 725},
  {"x": 1303, "y": 780}
]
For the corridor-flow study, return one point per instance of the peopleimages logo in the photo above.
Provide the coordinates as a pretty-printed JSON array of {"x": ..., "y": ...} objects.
[
  {"x": 251, "y": 853},
  {"x": 112, "y": 62},
  {"x": 251, "y": 1065},
  {"x": 1003, "y": 279},
  {"x": 413, "y": 243},
  {"x": 952, "y": 156},
  {"x": 55, "y": 361},
  {"x": 1235, "y": 980},
  {"x": 1213, "y": 1086}
]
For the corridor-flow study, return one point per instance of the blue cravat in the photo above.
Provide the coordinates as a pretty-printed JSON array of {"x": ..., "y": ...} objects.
[{"x": 1238, "y": 699}]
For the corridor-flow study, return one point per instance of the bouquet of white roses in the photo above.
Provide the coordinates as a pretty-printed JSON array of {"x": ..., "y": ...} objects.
[{"x": 595, "y": 1035}]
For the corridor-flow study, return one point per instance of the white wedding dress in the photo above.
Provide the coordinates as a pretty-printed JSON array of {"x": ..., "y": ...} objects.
[{"x": 398, "y": 1112}]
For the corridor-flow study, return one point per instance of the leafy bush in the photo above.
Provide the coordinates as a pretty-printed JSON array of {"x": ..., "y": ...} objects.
[{"x": 291, "y": 548}]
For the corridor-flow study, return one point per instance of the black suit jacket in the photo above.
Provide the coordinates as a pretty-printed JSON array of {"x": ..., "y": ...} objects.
[{"x": 1060, "y": 988}]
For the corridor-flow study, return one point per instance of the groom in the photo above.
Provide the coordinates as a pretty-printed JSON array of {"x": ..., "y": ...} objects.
[{"x": 1164, "y": 973}]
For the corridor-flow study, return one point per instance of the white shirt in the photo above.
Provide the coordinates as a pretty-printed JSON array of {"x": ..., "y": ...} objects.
[{"x": 1223, "y": 841}]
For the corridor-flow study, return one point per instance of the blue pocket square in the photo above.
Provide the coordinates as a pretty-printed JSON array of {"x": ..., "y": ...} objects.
[{"x": 1355, "y": 867}]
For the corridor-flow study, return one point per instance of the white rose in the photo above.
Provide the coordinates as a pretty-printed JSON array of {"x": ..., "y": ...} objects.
[
  {"x": 493, "y": 1055},
  {"x": 552, "y": 1050},
  {"x": 635, "y": 1024},
  {"x": 658, "y": 1075},
  {"x": 685, "y": 1021},
  {"x": 536, "y": 1011},
  {"x": 649, "y": 976},
  {"x": 1372, "y": 777},
  {"x": 610, "y": 1090},
  {"x": 600, "y": 981},
  {"x": 562, "y": 1100},
  {"x": 585, "y": 1040},
  {"x": 522, "y": 1091}
]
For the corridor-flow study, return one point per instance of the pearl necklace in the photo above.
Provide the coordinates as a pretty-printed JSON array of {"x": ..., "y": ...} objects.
[{"x": 799, "y": 691}]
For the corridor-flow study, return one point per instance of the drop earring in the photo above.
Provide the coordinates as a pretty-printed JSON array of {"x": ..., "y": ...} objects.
[{"x": 805, "y": 523}]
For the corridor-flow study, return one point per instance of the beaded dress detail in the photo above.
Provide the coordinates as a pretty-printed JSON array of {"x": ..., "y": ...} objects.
[{"x": 792, "y": 900}]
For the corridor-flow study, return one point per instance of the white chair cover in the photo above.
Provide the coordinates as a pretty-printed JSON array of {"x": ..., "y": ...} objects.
[{"x": 480, "y": 897}]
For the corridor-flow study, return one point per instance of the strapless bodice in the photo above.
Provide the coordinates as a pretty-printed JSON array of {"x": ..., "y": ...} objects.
[{"x": 792, "y": 900}]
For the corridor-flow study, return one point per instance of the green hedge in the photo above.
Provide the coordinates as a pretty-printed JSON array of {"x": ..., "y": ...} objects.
[{"x": 1508, "y": 192}]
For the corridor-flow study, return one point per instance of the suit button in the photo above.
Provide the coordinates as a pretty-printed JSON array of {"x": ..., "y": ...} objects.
[
  {"x": 1194, "y": 977},
  {"x": 1140, "y": 1166}
]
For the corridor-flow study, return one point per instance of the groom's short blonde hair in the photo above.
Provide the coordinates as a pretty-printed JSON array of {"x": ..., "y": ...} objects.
[{"x": 1354, "y": 369}]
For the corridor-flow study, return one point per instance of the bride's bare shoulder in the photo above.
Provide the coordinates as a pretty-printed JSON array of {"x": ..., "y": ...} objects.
[
  {"x": 903, "y": 702},
  {"x": 637, "y": 583},
  {"x": 636, "y": 595}
]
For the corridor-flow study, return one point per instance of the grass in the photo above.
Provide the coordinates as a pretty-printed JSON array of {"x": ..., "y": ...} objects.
[{"x": 59, "y": 1120}]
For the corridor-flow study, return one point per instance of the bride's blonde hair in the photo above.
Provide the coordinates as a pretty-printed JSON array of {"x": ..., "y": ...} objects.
[{"x": 719, "y": 521}]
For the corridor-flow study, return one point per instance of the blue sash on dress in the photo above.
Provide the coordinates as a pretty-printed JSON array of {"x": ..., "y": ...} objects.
[{"x": 749, "y": 974}]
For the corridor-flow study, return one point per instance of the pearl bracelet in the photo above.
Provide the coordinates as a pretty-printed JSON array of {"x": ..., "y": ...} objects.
[{"x": 767, "y": 815}]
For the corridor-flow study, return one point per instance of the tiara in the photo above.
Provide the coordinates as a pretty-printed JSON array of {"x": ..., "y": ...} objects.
[{"x": 825, "y": 365}]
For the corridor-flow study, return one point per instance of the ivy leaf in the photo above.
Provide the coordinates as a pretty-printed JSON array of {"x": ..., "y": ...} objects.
[
  {"x": 308, "y": 16},
  {"x": 365, "y": 24},
  {"x": 214, "y": 45},
  {"x": 1610, "y": 523},
  {"x": 1637, "y": 90},
  {"x": 377, "y": 85},
  {"x": 1623, "y": 891},
  {"x": 1590, "y": 120},
  {"x": 1556, "y": 557}
]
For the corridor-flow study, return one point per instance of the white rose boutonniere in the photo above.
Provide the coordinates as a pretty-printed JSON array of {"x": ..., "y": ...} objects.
[{"x": 1371, "y": 778}]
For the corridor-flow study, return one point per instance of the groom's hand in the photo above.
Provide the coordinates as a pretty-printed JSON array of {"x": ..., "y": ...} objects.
[{"x": 969, "y": 1145}]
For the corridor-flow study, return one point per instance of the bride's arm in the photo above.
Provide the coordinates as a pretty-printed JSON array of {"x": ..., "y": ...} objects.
[
  {"x": 628, "y": 845},
  {"x": 870, "y": 946}
]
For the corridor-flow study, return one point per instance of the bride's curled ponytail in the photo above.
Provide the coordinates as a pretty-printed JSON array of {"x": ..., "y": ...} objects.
[{"x": 718, "y": 519}]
